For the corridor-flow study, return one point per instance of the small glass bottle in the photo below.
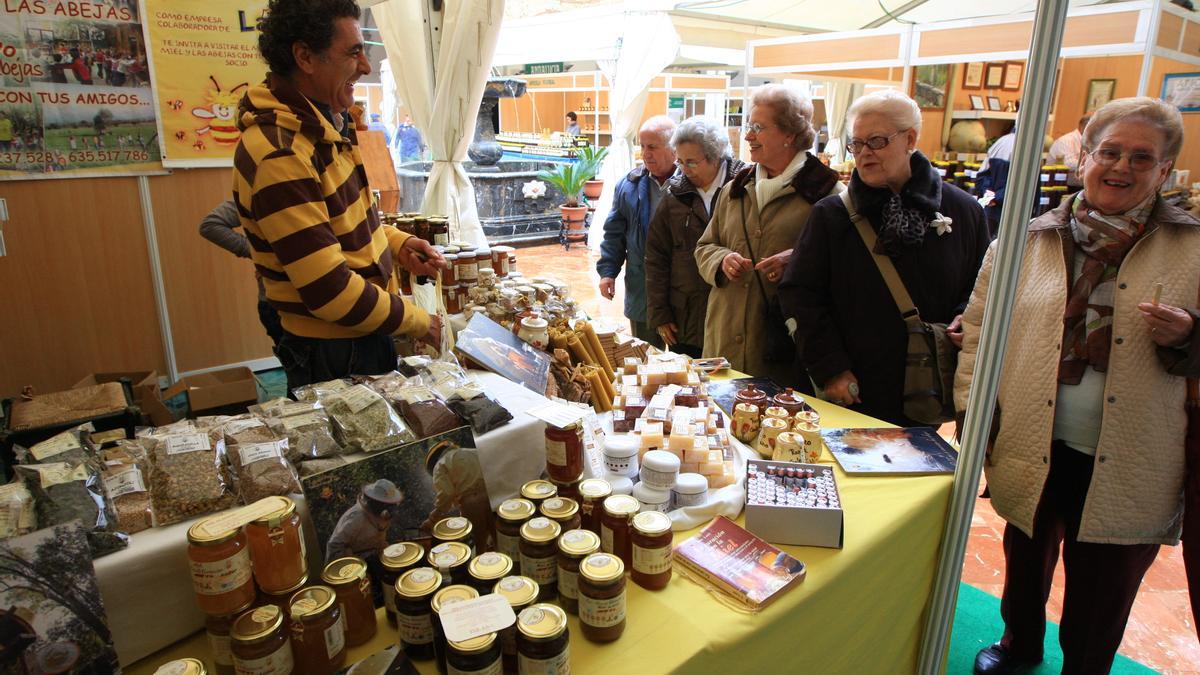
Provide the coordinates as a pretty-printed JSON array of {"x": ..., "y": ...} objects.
[
  {"x": 477, "y": 656},
  {"x": 259, "y": 642},
  {"x": 563, "y": 511},
  {"x": 511, "y": 515},
  {"x": 543, "y": 641},
  {"x": 488, "y": 568},
  {"x": 217, "y": 629},
  {"x": 592, "y": 493},
  {"x": 348, "y": 578},
  {"x": 277, "y": 546},
  {"x": 443, "y": 598},
  {"x": 456, "y": 528},
  {"x": 616, "y": 525},
  {"x": 521, "y": 592},
  {"x": 573, "y": 547},
  {"x": 414, "y": 592},
  {"x": 564, "y": 452},
  {"x": 602, "y": 597},
  {"x": 539, "y": 555},
  {"x": 451, "y": 559},
  {"x": 652, "y": 540},
  {"x": 397, "y": 559},
  {"x": 220, "y": 567},
  {"x": 318, "y": 631},
  {"x": 538, "y": 491}
]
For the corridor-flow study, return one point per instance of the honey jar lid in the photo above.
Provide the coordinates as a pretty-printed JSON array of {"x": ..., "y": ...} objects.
[
  {"x": 516, "y": 509},
  {"x": 559, "y": 508},
  {"x": 256, "y": 624},
  {"x": 404, "y": 554},
  {"x": 594, "y": 488},
  {"x": 490, "y": 565},
  {"x": 284, "y": 508},
  {"x": 476, "y": 645},
  {"x": 652, "y": 522},
  {"x": 418, "y": 583},
  {"x": 307, "y": 603},
  {"x": 542, "y": 621},
  {"x": 452, "y": 594},
  {"x": 519, "y": 591},
  {"x": 621, "y": 505},
  {"x": 344, "y": 570},
  {"x": 579, "y": 542},
  {"x": 200, "y": 534},
  {"x": 451, "y": 529},
  {"x": 449, "y": 554},
  {"x": 540, "y": 530},
  {"x": 602, "y": 567},
  {"x": 538, "y": 489},
  {"x": 188, "y": 666}
]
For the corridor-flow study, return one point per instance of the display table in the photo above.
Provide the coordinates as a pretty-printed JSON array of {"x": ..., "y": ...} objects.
[{"x": 860, "y": 609}]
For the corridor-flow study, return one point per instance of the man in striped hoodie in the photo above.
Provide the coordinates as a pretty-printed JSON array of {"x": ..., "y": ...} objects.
[{"x": 327, "y": 264}]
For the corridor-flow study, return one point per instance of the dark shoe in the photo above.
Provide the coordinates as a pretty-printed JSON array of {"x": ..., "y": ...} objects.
[{"x": 996, "y": 660}]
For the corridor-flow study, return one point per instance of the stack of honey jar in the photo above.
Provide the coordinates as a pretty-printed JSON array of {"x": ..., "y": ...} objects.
[
  {"x": 1052, "y": 187},
  {"x": 783, "y": 428}
]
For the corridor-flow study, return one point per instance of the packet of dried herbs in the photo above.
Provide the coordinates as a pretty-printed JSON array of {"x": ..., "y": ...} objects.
[
  {"x": 307, "y": 429},
  {"x": 363, "y": 421},
  {"x": 258, "y": 460},
  {"x": 125, "y": 484},
  {"x": 66, "y": 491},
  {"x": 315, "y": 392},
  {"x": 474, "y": 406},
  {"x": 17, "y": 515},
  {"x": 187, "y": 476},
  {"x": 425, "y": 413},
  {"x": 72, "y": 445}
]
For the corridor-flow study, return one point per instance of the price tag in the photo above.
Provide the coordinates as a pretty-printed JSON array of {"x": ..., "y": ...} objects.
[
  {"x": 480, "y": 616},
  {"x": 556, "y": 414}
]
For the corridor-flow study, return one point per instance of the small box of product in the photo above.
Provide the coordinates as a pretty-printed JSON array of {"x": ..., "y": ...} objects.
[
  {"x": 146, "y": 392},
  {"x": 792, "y": 503}
]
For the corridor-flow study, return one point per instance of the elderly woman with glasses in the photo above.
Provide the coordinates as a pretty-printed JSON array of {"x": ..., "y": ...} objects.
[
  {"x": 851, "y": 332},
  {"x": 676, "y": 294},
  {"x": 749, "y": 239},
  {"x": 1088, "y": 448}
]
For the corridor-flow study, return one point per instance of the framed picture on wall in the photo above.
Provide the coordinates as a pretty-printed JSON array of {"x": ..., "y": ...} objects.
[
  {"x": 1099, "y": 92},
  {"x": 1182, "y": 90},
  {"x": 994, "y": 104},
  {"x": 973, "y": 75},
  {"x": 1013, "y": 71},
  {"x": 929, "y": 86},
  {"x": 993, "y": 76},
  {"x": 977, "y": 102}
]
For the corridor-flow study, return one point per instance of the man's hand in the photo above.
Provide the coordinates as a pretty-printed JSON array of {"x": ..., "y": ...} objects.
[
  {"x": 954, "y": 331},
  {"x": 418, "y": 257},
  {"x": 667, "y": 331},
  {"x": 842, "y": 389},
  {"x": 608, "y": 287},
  {"x": 773, "y": 266},
  {"x": 734, "y": 265}
]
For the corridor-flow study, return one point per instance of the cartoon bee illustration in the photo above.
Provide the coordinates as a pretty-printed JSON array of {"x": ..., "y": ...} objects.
[
  {"x": 176, "y": 105},
  {"x": 180, "y": 135},
  {"x": 199, "y": 144},
  {"x": 221, "y": 114}
]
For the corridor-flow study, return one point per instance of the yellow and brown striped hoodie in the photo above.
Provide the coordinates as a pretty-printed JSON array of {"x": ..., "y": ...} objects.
[{"x": 304, "y": 202}]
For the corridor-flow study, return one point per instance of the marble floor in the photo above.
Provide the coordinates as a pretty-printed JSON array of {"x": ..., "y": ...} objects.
[{"x": 1160, "y": 634}]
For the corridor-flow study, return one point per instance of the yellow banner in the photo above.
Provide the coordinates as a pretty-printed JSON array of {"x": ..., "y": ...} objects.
[{"x": 203, "y": 56}]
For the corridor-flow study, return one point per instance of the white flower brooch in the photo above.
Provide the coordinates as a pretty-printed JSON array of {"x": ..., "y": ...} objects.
[{"x": 942, "y": 224}]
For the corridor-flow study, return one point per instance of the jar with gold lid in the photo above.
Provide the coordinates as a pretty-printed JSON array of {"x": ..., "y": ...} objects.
[
  {"x": 616, "y": 524},
  {"x": 520, "y": 592},
  {"x": 602, "y": 597},
  {"x": 282, "y": 597},
  {"x": 318, "y": 631},
  {"x": 414, "y": 592},
  {"x": 568, "y": 489},
  {"x": 563, "y": 511},
  {"x": 477, "y": 656},
  {"x": 488, "y": 568},
  {"x": 538, "y": 491},
  {"x": 185, "y": 666},
  {"x": 348, "y": 578},
  {"x": 543, "y": 641},
  {"x": 220, "y": 567},
  {"x": 455, "y": 528},
  {"x": 651, "y": 542},
  {"x": 511, "y": 515},
  {"x": 573, "y": 547},
  {"x": 277, "y": 546},
  {"x": 259, "y": 642},
  {"x": 539, "y": 555},
  {"x": 439, "y": 230},
  {"x": 395, "y": 560},
  {"x": 444, "y": 598},
  {"x": 216, "y": 629},
  {"x": 451, "y": 559},
  {"x": 592, "y": 493},
  {"x": 564, "y": 452}
]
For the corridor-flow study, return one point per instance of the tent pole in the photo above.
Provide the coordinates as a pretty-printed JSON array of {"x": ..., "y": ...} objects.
[{"x": 1022, "y": 190}]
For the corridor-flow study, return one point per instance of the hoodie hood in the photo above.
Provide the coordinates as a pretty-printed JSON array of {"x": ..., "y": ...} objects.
[{"x": 277, "y": 102}]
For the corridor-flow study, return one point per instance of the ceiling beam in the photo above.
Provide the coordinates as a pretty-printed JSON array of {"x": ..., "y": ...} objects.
[
  {"x": 895, "y": 13},
  {"x": 704, "y": 16}
]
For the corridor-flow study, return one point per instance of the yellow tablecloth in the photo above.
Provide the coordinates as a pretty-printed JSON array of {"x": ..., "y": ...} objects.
[{"x": 860, "y": 610}]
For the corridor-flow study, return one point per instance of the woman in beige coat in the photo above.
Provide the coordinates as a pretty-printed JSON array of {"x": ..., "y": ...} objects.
[
  {"x": 1090, "y": 448},
  {"x": 749, "y": 240}
]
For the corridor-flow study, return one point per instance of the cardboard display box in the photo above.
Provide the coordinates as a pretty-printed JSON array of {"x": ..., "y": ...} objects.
[
  {"x": 227, "y": 391},
  {"x": 146, "y": 392},
  {"x": 795, "y": 525}
]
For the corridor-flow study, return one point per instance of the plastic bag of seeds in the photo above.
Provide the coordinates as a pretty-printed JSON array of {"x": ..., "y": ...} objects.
[
  {"x": 17, "y": 514},
  {"x": 316, "y": 391},
  {"x": 307, "y": 428},
  {"x": 188, "y": 477},
  {"x": 363, "y": 421},
  {"x": 66, "y": 491},
  {"x": 125, "y": 484},
  {"x": 425, "y": 413},
  {"x": 258, "y": 460},
  {"x": 72, "y": 445}
]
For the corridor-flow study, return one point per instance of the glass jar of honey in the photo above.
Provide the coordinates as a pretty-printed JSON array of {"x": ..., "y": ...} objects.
[
  {"x": 477, "y": 656},
  {"x": 543, "y": 641},
  {"x": 456, "y": 528},
  {"x": 602, "y": 597},
  {"x": 488, "y": 568},
  {"x": 260, "y": 643},
  {"x": 520, "y": 592},
  {"x": 318, "y": 631},
  {"x": 569, "y": 489},
  {"x": 564, "y": 452},
  {"x": 592, "y": 493},
  {"x": 277, "y": 546},
  {"x": 413, "y": 592},
  {"x": 348, "y": 578},
  {"x": 220, "y": 567},
  {"x": 216, "y": 629},
  {"x": 651, "y": 550},
  {"x": 185, "y": 666},
  {"x": 511, "y": 515},
  {"x": 539, "y": 555},
  {"x": 451, "y": 560},
  {"x": 444, "y": 598},
  {"x": 563, "y": 511},
  {"x": 538, "y": 491},
  {"x": 616, "y": 526},
  {"x": 282, "y": 597},
  {"x": 573, "y": 547},
  {"x": 397, "y": 559}
]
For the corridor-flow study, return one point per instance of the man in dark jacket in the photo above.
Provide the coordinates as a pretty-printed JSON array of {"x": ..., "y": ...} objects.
[{"x": 637, "y": 197}]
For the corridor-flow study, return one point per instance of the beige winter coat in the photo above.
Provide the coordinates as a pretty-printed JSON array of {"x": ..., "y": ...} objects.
[
  {"x": 737, "y": 311},
  {"x": 1136, "y": 492}
]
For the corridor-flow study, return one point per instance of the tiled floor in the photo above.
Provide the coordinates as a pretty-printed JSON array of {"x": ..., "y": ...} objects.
[{"x": 1160, "y": 634}]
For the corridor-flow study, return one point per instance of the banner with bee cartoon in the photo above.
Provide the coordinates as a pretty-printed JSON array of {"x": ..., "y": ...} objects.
[
  {"x": 203, "y": 56},
  {"x": 75, "y": 97}
]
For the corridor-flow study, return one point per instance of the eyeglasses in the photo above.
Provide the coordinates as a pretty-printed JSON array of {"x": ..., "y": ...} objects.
[
  {"x": 1138, "y": 161},
  {"x": 856, "y": 146},
  {"x": 689, "y": 164},
  {"x": 754, "y": 128}
]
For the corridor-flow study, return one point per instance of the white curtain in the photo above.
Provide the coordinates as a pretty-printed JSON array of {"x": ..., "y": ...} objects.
[
  {"x": 838, "y": 97},
  {"x": 648, "y": 45},
  {"x": 443, "y": 93}
]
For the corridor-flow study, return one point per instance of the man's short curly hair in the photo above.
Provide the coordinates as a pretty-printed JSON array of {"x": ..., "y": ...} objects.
[{"x": 287, "y": 22}]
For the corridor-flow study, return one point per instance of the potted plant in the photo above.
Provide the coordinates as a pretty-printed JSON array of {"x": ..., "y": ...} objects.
[
  {"x": 592, "y": 157},
  {"x": 569, "y": 179}
]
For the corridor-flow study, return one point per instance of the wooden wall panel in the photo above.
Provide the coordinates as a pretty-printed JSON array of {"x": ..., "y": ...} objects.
[
  {"x": 1170, "y": 27},
  {"x": 800, "y": 54},
  {"x": 78, "y": 296},
  {"x": 1189, "y": 158},
  {"x": 930, "y": 140},
  {"x": 1191, "y": 39},
  {"x": 1073, "y": 86}
]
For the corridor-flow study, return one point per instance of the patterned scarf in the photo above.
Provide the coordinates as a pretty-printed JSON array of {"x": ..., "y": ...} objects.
[
  {"x": 902, "y": 226},
  {"x": 1087, "y": 321}
]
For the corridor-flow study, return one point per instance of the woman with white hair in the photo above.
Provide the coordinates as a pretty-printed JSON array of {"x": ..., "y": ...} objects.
[
  {"x": 676, "y": 294},
  {"x": 852, "y": 336},
  {"x": 749, "y": 240}
]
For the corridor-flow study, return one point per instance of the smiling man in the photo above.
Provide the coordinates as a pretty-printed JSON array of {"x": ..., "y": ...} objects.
[{"x": 302, "y": 195}]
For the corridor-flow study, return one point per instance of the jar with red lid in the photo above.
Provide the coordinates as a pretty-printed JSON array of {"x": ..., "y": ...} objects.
[
  {"x": 220, "y": 565},
  {"x": 318, "y": 631},
  {"x": 563, "y": 511},
  {"x": 511, "y": 515},
  {"x": 754, "y": 396},
  {"x": 573, "y": 547},
  {"x": 277, "y": 546},
  {"x": 616, "y": 526},
  {"x": 602, "y": 597},
  {"x": 348, "y": 578},
  {"x": 592, "y": 493},
  {"x": 651, "y": 544},
  {"x": 259, "y": 642},
  {"x": 564, "y": 452},
  {"x": 790, "y": 401}
]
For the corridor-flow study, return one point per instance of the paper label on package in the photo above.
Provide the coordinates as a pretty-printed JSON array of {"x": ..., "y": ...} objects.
[
  {"x": 479, "y": 616},
  {"x": 238, "y": 426},
  {"x": 58, "y": 473},
  {"x": 470, "y": 391},
  {"x": 417, "y": 394},
  {"x": 17, "y": 502},
  {"x": 10, "y": 515},
  {"x": 602, "y": 613},
  {"x": 108, "y": 436},
  {"x": 335, "y": 637},
  {"x": 181, "y": 443},
  {"x": 358, "y": 397},
  {"x": 56, "y": 445},
  {"x": 256, "y": 452},
  {"x": 445, "y": 388},
  {"x": 295, "y": 408},
  {"x": 414, "y": 630},
  {"x": 297, "y": 421},
  {"x": 125, "y": 482},
  {"x": 557, "y": 415}
]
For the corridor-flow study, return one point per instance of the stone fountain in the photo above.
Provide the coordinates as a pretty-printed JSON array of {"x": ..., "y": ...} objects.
[{"x": 506, "y": 213}]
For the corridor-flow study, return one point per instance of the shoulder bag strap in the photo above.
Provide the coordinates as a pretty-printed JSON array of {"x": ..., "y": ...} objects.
[
  {"x": 754, "y": 261},
  {"x": 886, "y": 269}
]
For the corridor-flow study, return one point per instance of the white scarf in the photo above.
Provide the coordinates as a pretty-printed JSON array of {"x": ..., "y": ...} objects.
[
  {"x": 767, "y": 189},
  {"x": 706, "y": 194}
]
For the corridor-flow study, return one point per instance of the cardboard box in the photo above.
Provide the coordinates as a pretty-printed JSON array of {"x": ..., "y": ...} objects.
[
  {"x": 795, "y": 525},
  {"x": 218, "y": 392},
  {"x": 146, "y": 392}
]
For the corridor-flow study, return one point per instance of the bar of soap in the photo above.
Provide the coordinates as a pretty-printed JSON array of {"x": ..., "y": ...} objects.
[
  {"x": 630, "y": 366},
  {"x": 688, "y": 467},
  {"x": 680, "y": 444},
  {"x": 652, "y": 436},
  {"x": 621, "y": 422},
  {"x": 714, "y": 463}
]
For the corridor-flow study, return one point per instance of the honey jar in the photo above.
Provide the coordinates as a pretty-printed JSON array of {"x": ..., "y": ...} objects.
[
  {"x": 563, "y": 511},
  {"x": 444, "y": 598},
  {"x": 220, "y": 567},
  {"x": 217, "y": 629},
  {"x": 277, "y": 546},
  {"x": 538, "y": 491},
  {"x": 397, "y": 559},
  {"x": 453, "y": 529},
  {"x": 615, "y": 526},
  {"x": 602, "y": 597},
  {"x": 543, "y": 641},
  {"x": 569, "y": 489},
  {"x": 259, "y": 642},
  {"x": 478, "y": 655},
  {"x": 511, "y": 515},
  {"x": 539, "y": 555},
  {"x": 348, "y": 578},
  {"x": 651, "y": 540},
  {"x": 414, "y": 592},
  {"x": 573, "y": 547},
  {"x": 282, "y": 597},
  {"x": 318, "y": 631},
  {"x": 451, "y": 560},
  {"x": 564, "y": 452},
  {"x": 488, "y": 568},
  {"x": 186, "y": 666},
  {"x": 520, "y": 592},
  {"x": 592, "y": 493}
]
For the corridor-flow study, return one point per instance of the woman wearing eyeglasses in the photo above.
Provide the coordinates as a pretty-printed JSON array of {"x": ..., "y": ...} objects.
[
  {"x": 1089, "y": 452},
  {"x": 749, "y": 239},
  {"x": 853, "y": 338},
  {"x": 676, "y": 294}
]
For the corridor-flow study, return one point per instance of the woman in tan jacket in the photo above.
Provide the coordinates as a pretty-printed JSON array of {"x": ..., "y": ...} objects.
[
  {"x": 1090, "y": 448},
  {"x": 749, "y": 240}
]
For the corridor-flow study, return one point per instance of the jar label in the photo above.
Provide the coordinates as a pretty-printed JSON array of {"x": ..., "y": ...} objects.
[
  {"x": 494, "y": 668},
  {"x": 222, "y": 576},
  {"x": 602, "y": 613},
  {"x": 568, "y": 583},
  {"x": 508, "y": 545},
  {"x": 219, "y": 644},
  {"x": 652, "y": 560},
  {"x": 126, "y": 482},
  {"x": 556, "y": 452},
  {"x": 335, "y": 637},
  {"x": 559, "y": 664},
  {"x": 414, "y": 629},
  {"x": 606, "y": 538},
  {"x": 542, "y": 570},
  {"x": 278, "y": 662}
]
